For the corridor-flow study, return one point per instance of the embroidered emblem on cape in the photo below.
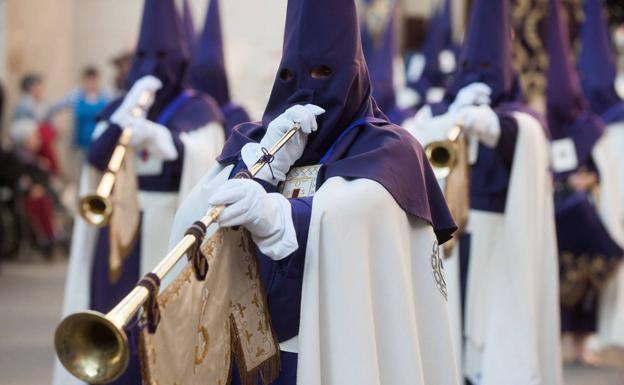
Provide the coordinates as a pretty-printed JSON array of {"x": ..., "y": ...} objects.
[
  {"x": 300, "y": 182},
  {"x": 438, "y": 273}
]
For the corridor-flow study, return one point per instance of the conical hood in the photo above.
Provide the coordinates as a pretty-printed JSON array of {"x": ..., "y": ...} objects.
[
  {"x": 189, "y": 27},
  {"x": 432, "y": 45},
  {"x": 207, "y": 72},
  {"x": 486, "y": 53},
  {"x": 564, "y": 98},
  {"x": 380, "y": 49},
  {"x": 322, "y": 63},
  {"x": 161, "y": 50},
  {"x": 596, "y": 62},
  {"x": 447, "y": 24}
]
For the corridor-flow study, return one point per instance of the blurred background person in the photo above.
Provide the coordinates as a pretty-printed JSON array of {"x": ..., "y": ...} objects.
[
  {"x": 86, "y": 102},
  {"x": 597, "y": 69},
  {"x": 31, "y": 104},
  {"x": 502, "y": 274},
  {"x": 36, "y": 195},
  {"x": 583, "y": 165},
  {"x": 121, "y": 63}
]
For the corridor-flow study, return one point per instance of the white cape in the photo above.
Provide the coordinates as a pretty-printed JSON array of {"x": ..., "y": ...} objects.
[
  {"x": 609, "y": 158},
  {"x": 371, "y": 311},
  {"x": 202, "y": 146},
  {"x": 512, "y": 309}
]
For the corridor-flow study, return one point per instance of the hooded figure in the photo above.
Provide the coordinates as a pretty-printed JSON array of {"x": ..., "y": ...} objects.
[
  {"x": 504, "y": 268},
  {"x": 598, "y": 73},
  {"x": 366, "y": 305},
  {"x": 170, "y": 148},
  {"x": 380, "y": 50},
  {"x": 583, "y": 161},
  {"x": 208, "y": 74},
  {"x": 431, "y": 69}
]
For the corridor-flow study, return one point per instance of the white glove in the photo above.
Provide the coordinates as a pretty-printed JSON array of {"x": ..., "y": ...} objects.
[
  {"x": 474, "y": 94},
  {"x": 407, "y": 98},
  {"x": 153, "y": 137},
  {"x": 292, "y": 151},
  {"x": 268, "y": 217},
  {"x": 137, "y": 101},
  {"x": 416, "y": 67},
  {"x": 447, "y": 61},
  {"x": 482, "y": 122}
]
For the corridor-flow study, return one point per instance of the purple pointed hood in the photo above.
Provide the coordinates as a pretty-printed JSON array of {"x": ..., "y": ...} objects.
[
  {"x": 379, "y": 52},
  {"x": 597, "y": 65},
  {"x": 432, "y": 45},
  {"x": 323, "y": 37},
  {"x": 486, "y": 54},
  {"x": 208, "y": 72},
  {"x": 567, "y": 110},
  {"x": 323, "y": 64},
  {"x": 189, "y": 27},
  {"x": 161, "y": 50}
]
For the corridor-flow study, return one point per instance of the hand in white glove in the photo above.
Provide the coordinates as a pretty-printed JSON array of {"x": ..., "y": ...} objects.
[
  {"x": 137, "y": 101},
  {"x": 416, "y": 67},
  {"x": 482, "y": 122},
  {"x": 292, "y": 151},
  {"x": 268, "y": 217},
  {"x": 407, "y": 98},
  {"x": 474, "y": 94},
  {"x": 153, "y": 137}
]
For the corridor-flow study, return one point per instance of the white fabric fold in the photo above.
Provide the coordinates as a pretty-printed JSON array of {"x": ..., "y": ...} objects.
[
  {"x": 371, "y": 312},
  {"x": 513, "y": 332},
  {"x": 609, "y": 158}
]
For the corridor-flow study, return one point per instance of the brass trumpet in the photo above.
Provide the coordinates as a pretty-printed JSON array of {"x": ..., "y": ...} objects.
[
  {"x": 93, "y": 346},
  {"x": 97, "y": 208},
  {"x": 443, "y": 154}
]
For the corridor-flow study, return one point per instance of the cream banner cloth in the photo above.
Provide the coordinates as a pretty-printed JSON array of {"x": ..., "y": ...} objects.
[{"x": 203, "y": 322}]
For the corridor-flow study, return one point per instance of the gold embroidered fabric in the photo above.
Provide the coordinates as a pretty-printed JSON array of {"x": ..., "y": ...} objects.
[
  {"x": 300, "y": 182},
  {"x": 580, "y": 275},
  {"x": 124, "y": 223},
  {"x": 204, "y": 323},
  {"x": 530, "y": 52}
]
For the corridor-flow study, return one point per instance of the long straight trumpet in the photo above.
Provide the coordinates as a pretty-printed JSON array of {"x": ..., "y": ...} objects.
[
  {"x": 97, "y": 208},
  {"x": 93, "y": 346},
  {"x": 443, "y": 154}
]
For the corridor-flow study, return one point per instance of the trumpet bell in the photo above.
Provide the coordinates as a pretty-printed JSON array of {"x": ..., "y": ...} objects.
[
  {"x": 96, "y": 210},
  {"x": 91, "y": 347},
  {"x": 443, "y": 156}
]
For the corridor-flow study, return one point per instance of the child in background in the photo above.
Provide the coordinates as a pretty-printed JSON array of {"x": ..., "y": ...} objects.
[{"x": 86, "y": 103}]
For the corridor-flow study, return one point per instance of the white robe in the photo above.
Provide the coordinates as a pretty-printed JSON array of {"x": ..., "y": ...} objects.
[
  {"x": 202, "y": 146},
  {"x": 513, "y": 330},
  {"x": 609, "y": 159},
  {"x": 371, "y": 312},
  {"x": 512, "y": 300}
]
